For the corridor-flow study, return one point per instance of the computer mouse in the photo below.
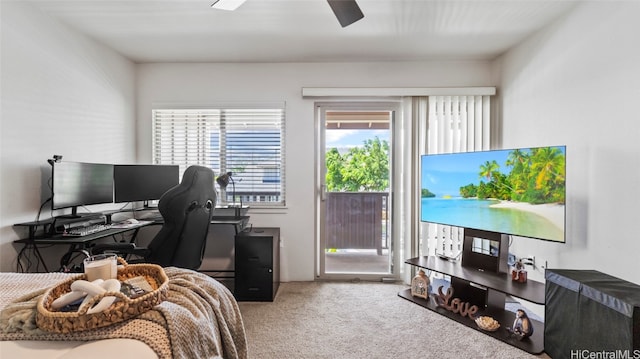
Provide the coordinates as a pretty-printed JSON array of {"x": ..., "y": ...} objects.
[{"x": 131, "y": 221}]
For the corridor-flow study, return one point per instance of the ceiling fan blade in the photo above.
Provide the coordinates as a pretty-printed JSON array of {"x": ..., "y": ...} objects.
[
  {"x": 347, "y": 11},
  {"x": 230, "y": 5}
]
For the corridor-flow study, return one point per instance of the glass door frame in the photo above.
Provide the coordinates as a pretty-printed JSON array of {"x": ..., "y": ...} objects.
[{"x": 320, "y": 108}]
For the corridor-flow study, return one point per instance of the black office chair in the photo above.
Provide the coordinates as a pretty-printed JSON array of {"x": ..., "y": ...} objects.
[{"x": 186, "y": 209}]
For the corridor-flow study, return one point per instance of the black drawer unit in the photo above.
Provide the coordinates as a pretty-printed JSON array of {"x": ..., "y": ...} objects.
[{"x": 257, "y": 264}]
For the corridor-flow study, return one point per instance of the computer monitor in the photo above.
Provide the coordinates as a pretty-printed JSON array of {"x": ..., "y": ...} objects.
[
  {"x": 143, "y": 182},
  {"x": 77, "y": 184}
]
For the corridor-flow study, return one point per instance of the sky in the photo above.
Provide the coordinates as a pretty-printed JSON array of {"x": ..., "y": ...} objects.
[{"x": 345, "y": 139}]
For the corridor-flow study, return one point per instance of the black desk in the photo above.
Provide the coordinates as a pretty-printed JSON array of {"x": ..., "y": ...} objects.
[
  {"x": 74, "y": 243},
  {"x": 228, "y": 273},
  {"x": 238, "y": 222},
  {"x": 78, "y": 243}
]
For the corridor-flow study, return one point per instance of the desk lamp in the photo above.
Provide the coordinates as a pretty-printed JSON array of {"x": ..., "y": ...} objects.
[
  {"x": 56, "y": 159},
  {"x": 223, "y": 182}
]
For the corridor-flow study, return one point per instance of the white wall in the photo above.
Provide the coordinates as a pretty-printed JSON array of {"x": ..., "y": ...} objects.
[
  {"x": 577, "y": 83},
  {"x": 61, "y": 93},
  {"x": 213, "y": 83}
]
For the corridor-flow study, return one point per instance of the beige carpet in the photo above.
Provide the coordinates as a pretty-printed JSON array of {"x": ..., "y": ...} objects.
[{"x": 359, "y": 320}]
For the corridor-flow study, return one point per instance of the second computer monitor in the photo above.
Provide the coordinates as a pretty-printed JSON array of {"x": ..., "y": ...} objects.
[{"x": 143, "y": 182}]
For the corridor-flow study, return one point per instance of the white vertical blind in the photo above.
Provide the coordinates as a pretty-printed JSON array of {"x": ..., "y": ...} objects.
[
  {"x": 457, "y": 124},
  {"x": 248, "y": 142},
  {"x": 453, "y": 124}
]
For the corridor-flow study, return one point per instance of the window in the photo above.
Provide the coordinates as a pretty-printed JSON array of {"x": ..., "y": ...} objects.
[{"x": 246, "y": 141}]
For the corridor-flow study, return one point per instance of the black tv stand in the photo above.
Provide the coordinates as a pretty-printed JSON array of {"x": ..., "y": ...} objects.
[
  {"x": 448, "y": 258},
  {"x": 482, "y": 280}
]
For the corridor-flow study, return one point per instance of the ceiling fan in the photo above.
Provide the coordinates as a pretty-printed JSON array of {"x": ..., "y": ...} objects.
[{"x": 346, "y": 11}]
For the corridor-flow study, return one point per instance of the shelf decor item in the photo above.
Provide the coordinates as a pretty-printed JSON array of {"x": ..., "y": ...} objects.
[
  {"x": 420, "y": 285},
  {"x": 455, "y": 305},
  {"x": 522, "y": 326},
  {"x": 487, "y": 323},
  {"x": 518, "y": 273},
  {"x": 519, "y": 276}
]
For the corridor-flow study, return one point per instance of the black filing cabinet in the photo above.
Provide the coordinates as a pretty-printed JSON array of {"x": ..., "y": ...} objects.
[{"x": 257, "y": 262}]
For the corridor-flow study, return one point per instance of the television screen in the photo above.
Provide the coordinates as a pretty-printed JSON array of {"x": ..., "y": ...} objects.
[
  {"x": 77, "y": 184},
  {"x": 143, "y": 182},
  {"x": 519, "y": 191}
]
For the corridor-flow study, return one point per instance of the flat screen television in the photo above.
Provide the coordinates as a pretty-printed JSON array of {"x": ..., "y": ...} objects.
[
  {"x": 76, "y": 184},
  {"x": 143, "y": 182},
  {"x": 518, "y": 192}
]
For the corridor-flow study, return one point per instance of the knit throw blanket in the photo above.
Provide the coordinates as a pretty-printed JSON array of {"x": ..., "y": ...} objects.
[{"x": 200, "y": 318}]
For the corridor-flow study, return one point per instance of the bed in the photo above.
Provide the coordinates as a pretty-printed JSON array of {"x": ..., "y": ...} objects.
[{"x": 199, "y": 319}]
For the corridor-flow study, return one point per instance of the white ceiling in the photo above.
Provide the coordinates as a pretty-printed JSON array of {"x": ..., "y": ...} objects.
[{"x": 306, "y": 30}]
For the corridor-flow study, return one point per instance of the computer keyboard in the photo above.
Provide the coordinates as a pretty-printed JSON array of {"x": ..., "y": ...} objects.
[{"x": 83, "y": 231}]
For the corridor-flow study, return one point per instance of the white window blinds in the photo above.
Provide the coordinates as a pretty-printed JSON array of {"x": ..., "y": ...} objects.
[
  {"x": 458, "y": 123},
  {"x": 248, "y": 142},
  {"x": 454, "y": 124}
]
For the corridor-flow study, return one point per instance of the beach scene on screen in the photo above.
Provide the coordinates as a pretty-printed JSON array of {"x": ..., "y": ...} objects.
[{"x": 519, "y": 191}]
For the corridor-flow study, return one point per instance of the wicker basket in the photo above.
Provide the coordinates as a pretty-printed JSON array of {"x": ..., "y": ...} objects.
[{"x": 122, "y": 309}]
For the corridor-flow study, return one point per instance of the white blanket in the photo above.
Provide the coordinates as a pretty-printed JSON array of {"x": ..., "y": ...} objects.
[{"x": 200, "y": 318}]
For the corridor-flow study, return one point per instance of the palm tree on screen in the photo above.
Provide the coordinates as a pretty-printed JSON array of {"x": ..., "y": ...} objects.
[
  {"x": 549, "y": 164},
  {"x": 488, "y": 168}
]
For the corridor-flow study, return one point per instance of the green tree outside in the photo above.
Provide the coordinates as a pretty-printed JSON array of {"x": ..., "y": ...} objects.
[{"x": 363, "y": 168}]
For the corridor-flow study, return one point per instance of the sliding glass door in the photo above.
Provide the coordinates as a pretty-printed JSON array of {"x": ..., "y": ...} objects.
[{"x": 354, "y": 201}]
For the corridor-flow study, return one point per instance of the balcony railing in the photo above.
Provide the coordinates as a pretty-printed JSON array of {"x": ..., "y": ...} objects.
[{"x": 357, "y": 220}]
